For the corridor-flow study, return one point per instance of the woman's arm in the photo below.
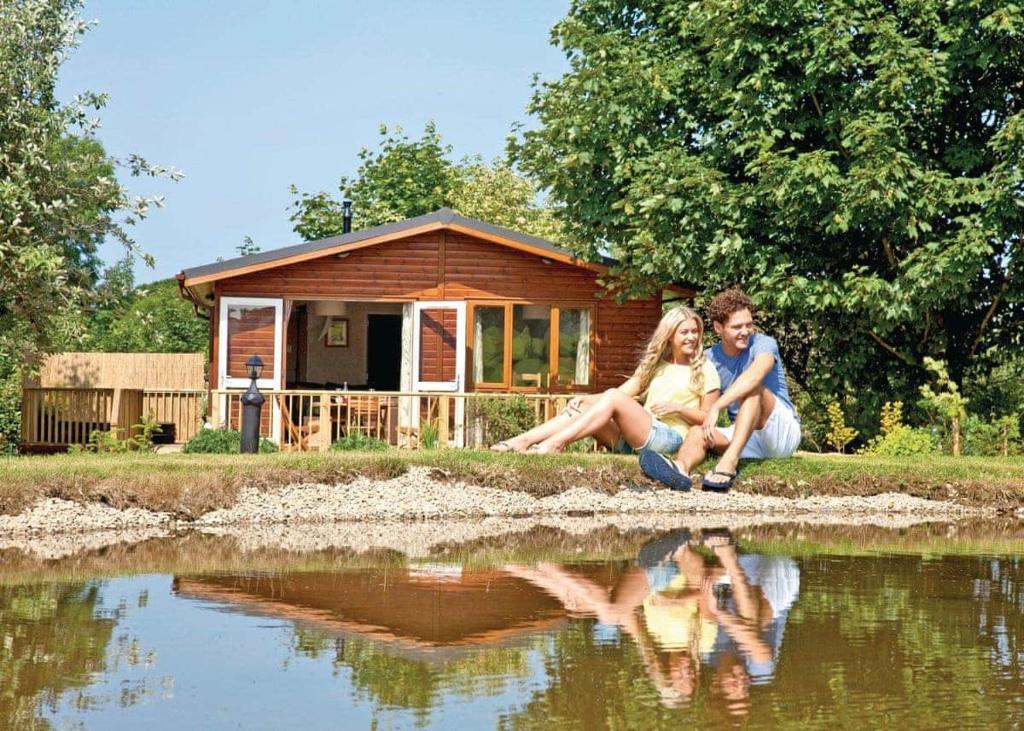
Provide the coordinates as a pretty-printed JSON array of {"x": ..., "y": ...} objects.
[{"x": 689, "y": 415}]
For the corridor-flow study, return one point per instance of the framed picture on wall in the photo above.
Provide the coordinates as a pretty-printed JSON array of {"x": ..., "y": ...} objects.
[{"x": 337, "y": 333}]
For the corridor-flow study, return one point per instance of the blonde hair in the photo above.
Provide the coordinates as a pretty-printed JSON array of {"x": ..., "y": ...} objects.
[{"x": 660, "y": 346}]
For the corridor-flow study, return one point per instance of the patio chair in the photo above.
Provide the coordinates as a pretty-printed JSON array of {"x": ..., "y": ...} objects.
[{"x": 299, "y": 434}]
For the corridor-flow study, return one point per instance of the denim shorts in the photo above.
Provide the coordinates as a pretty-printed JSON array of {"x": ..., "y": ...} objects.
[{"x": 663, "y": 439}]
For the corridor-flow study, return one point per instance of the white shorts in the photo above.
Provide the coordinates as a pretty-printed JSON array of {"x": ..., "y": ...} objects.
[{"x": 779, "y": 438}]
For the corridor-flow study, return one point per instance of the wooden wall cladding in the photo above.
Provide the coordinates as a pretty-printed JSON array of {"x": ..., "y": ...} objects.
[
  {"x": 622, "y": 331},
  {"x": 477, "y": 269},
  {"x": 403, "y": 269},
  {"x": 437, "y": 345},
  {"x": 250, "y": 332}
]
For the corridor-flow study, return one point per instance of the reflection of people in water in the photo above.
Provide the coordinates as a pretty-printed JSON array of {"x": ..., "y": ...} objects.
[{"x": 686, "y": 610}]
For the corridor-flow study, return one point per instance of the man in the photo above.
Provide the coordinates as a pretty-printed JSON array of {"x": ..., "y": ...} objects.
[{"x": 764, "y": 422}]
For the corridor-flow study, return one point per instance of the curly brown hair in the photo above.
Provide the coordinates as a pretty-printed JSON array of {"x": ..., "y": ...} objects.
[{"x": 726, "y": 303}]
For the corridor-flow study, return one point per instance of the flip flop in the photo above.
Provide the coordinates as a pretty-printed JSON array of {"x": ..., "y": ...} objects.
[
  {"x": 501, "y": 447},
  {"x": 716, "y": 486},
  {"x": 662, "y": 469},
  {"x": 712, "y": 537}
]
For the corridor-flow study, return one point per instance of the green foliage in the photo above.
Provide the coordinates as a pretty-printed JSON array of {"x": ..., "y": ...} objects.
[
  {"x": 358, "y": 442},
  {"x": 222, "y": 441},
  {"x": 10, "y": 405},
  {"x": 502, "y": 418},
  {"x": 404, "y": 178},
  {"x": 944, "y": 402},
  {"x": 839, "y": 434},
  {"x": 429, "y": 435},
  {"x": 990, "y": 439},
  {"x": 151, "y": 318},
  {"x": 110, "y": 441},
  {"x": 857, "y": 166},
  {"x": 59, "y": 192},
  {"x": 896, "y": 438}
]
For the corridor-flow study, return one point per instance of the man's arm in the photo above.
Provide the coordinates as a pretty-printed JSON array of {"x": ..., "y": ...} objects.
[
  {"x": 745, "y": 384},
  {"x": 749, "y": 379}
]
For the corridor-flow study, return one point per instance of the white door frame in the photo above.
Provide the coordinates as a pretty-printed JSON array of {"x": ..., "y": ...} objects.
[
  {"x": 460, "y": 362},
  {"x": 225, "y": 381}
]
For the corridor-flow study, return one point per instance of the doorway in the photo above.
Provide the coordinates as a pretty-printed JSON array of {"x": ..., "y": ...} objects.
[{"x": 384, "y": 352}]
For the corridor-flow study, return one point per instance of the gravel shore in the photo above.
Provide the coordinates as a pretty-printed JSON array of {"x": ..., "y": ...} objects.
[{"x": 422, "y": 494}]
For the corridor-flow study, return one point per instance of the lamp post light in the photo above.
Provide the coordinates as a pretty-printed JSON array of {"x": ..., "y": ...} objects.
[{"x": 252, "y": 403}]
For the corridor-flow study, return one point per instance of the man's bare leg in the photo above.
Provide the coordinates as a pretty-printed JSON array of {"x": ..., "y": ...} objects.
[{"x": 752, "y": 415}]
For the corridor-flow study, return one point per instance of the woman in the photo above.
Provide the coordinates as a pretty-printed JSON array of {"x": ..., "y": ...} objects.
[{"x": 674, "y": 376}]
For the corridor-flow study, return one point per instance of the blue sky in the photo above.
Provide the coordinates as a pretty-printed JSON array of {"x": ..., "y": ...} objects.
[{"x": 247, "y": 98}]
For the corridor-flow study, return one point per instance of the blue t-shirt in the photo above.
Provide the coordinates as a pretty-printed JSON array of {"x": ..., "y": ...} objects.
[{"x": 730, "y": 367}]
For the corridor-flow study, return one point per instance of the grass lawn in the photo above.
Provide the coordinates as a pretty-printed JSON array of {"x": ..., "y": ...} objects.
[{"x": 190, "y": 485}]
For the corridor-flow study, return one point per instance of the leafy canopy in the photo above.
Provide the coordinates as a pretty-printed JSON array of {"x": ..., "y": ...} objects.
[
  {"x": 855, "y": 164},
  {"x": 403, "y": 178},
  {"x": 59, "y": 195}
]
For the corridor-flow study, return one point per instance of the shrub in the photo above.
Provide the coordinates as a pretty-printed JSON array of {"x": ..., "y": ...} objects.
[
  {"x": 357, "y": 441},
  {"x": 897, "y": 439},
  {"x": 107, "y": 442},
  {"x": 839, "y": 434},
  {"x": 985, "y": 439},
  {"x": 222, "y": 441},
  {"x": 503, "y": 418}
]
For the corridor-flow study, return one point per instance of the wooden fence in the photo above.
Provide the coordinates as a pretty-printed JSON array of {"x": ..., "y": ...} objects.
[
  {"x": 312, "y": 420},
  {"x": 54, "y": 418},
  {"x": 146, "y": 371}
]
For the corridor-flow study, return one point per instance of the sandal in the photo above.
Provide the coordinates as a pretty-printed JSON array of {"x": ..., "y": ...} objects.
[
  {"x": 715, "y": 485},
  {"x": 664, "y": 470},
  {"x": 501, "y": 447},
  {"x": 716, "y": 537}
]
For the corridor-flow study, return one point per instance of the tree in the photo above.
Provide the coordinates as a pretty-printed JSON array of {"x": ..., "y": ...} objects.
[
  {"x": 404, "y": 178},
  {"x": 152, "y": 318},
  {"x": 401, "y": 179},
  {"x": 856, "y": 165},
  {"x": 59, "y": 195}
]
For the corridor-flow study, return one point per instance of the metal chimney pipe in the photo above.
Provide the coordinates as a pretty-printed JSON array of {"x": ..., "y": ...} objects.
[{"x": 346, "y": 216}]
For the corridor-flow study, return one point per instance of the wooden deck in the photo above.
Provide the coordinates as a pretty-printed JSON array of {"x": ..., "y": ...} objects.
[
  {"x": 312, "y": 420},
  {"x": 52, "y": 419}
]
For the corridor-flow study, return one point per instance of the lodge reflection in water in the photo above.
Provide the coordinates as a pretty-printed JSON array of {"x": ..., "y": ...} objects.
[
  {"x": 678, "y": 629},
  {"x": 690, "y": 604}
]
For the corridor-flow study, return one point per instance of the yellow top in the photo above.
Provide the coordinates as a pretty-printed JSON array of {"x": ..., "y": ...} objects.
[
  {"x": 671, "y": 382},
  {"x": 675, "y": 622}
]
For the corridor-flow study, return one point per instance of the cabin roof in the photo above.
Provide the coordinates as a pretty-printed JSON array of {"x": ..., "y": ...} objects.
[{"x": 444, "y": 218}]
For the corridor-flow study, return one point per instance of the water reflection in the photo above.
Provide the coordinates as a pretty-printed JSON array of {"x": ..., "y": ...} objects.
[
  {"x": 688, "y": 610},
  {"x": 688, "y": 628}
]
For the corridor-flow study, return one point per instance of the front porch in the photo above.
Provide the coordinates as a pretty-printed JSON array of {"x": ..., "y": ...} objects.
[{"x": 311, "y": 420}]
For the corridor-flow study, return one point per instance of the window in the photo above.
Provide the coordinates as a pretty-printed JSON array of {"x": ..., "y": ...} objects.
[
  {"x": 489, "y": 344},
  {"x": 574, "y": 347},
  {"x": 249, "y": 326},
  {"x": 531, "y": 346}
]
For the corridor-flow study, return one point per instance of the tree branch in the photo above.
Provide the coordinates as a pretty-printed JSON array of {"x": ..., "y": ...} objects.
[
  {"x": 987, "y": 318},
  {"x": 905, "y": 358},
  {"x": 889, "y": 256}
]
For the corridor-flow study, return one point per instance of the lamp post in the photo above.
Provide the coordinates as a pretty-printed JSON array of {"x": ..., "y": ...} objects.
[{"x": 252, "y": 403}]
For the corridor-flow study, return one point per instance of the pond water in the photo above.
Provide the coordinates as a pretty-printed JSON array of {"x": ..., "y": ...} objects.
[{"x": 784, "y": 627}]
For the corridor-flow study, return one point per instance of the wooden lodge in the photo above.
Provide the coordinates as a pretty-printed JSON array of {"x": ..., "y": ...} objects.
[{"x": 395, "y": 331}]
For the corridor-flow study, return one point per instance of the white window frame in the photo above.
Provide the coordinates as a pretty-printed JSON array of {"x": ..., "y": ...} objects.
[
  {"x": 460, "y": 346},
  {"x": 223, "y": 379}
]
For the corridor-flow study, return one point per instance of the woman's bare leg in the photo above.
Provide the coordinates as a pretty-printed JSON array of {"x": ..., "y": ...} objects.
[
  {"x": 522, "y": 442},
  {"x": 630, "y": 417}
]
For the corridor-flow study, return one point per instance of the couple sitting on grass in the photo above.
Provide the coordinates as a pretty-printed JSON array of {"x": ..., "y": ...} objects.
[{"x": 684, "y": 390}]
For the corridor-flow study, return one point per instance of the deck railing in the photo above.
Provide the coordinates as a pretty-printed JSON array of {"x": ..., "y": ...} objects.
[
  {"x": 52, "y": 418},
  {"x": 312, "y": 420}
]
